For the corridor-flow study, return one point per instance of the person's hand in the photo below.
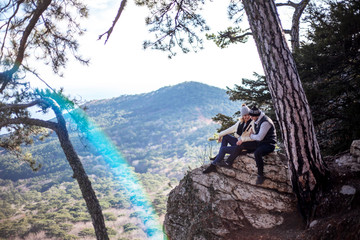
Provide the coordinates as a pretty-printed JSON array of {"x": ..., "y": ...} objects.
[
  {"x": 239, "y": 142},
  {"x": 219, "y": 139}
]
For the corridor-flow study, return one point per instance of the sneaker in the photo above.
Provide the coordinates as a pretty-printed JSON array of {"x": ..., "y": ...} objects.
[
  {"x": 212, "y": 158},
  {"x": 209, "y": 169},
  {"x": 259, "y": 180}
]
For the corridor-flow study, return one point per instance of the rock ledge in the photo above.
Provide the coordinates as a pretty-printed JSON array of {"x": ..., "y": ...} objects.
[{"x": 227, "y": 204}]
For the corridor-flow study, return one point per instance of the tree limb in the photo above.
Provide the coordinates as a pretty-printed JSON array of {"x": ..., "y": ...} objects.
[
  {"x": 38, "y": 76},
  {"x": 8, "y": 23},
  {"x": 37, "y": 14},
  {"x": 294, "y": 32},
  {"x": 288, "y": 3},
  {"x": 30, "y": 121},
  {"x": 238, "y": 37},
  {"x": 6, "y": 77},
  {"x": 20, "y": 106},
  {"x": 108, "y": 32}
]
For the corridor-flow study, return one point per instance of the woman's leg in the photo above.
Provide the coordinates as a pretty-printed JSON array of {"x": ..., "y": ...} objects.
[
  {"x": 222, "y": 152},
  {"x": 226, "y": 140}
]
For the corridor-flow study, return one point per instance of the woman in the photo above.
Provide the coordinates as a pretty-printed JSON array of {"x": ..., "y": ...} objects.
[{"x": 242, "y": 128}]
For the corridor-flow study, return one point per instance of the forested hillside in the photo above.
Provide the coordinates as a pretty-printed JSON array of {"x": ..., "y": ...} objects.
[{"x": 161, "y": 134}]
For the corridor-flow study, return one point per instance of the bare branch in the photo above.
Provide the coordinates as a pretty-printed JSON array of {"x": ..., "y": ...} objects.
[
  {"x": 236, "y": 38},
  {"x": 38, "y": 76},
  {"x": 37, "y": 14},
  {"x": 108, "y": 32},
  {"x": 299, "y": 9},
  {"x": 8, "y": 24},
  {"x": 30, "y": 121},
  {"x": 288, "y": 3},
  {"x": 20, "y": 106},
  {"x": 6, "y": 77}
]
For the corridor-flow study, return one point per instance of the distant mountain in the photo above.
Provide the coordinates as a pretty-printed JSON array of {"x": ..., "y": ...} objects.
[
  {"x": 163, "y": 124},
  {"x": 161, "y": 134},
  {"x": 163, "y": 131}
]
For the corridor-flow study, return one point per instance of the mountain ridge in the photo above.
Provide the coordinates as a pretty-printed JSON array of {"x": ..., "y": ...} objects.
[
  {"x": 161, "y": 134},
  {"x": 171, "y": 122}
]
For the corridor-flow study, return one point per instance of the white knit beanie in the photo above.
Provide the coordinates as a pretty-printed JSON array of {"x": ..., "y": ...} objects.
[{"x": 244, "y": 110}]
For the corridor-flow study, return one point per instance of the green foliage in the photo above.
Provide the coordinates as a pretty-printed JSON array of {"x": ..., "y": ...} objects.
[
  {"x": 13, "y": 228},
  {"x": 159, "y": 204},
  {"x": 50, "y": 40},
  {"x": 178, "y": 25},
  {"x": 111, "y": 231},
  {"x": 230, "y": 36},
  {"x": 87, "y": 232},
  {"x": 130, "y": 227},
  {"x": 110, "y": 216},
  {"x": 329, "y": 66},
  {"x": 253, "y": 92},
  {"x": 224, "y": 120},
  {"x": 135, "y": 214}
]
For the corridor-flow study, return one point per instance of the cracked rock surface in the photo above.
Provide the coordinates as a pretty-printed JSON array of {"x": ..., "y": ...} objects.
[{"x": 227, "y": 204}]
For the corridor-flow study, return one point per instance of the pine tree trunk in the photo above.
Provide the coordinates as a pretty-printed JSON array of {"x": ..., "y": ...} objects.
[
  {"x": 291, "y": 106},
  {"x": 87, "y": 191}
]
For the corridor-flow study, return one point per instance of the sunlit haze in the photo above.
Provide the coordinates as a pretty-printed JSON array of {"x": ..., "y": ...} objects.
[{"x": 122, "y": 66}]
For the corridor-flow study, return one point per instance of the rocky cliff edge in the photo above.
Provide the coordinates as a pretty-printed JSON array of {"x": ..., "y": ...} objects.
[{"x": 227, "y": 204}]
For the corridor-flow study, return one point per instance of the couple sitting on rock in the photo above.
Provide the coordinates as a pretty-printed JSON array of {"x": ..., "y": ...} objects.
[{"x": 257, "y": 135}]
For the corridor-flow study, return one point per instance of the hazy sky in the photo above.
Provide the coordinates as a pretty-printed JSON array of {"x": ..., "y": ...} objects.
[{"x": 123, "y": 67}]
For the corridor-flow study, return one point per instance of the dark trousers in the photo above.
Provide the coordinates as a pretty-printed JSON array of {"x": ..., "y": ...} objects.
[
  {"x": 224, "y": 148},
  {"x": 259, "y": 149},
  {"x": 262, "y": 150},
  {"x": 245, "y": 147}
]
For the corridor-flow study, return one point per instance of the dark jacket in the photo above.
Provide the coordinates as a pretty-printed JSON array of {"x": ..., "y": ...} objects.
[{"x": 270, "y": 136}]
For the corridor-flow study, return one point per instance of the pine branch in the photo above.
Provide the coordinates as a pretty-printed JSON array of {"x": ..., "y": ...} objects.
[
  {"x": 108, "y": 32},
  {"x": 30, "y": 121}
]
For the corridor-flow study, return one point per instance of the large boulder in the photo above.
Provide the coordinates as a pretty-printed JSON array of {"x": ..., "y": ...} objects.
[{"x": 227, "y": 204}]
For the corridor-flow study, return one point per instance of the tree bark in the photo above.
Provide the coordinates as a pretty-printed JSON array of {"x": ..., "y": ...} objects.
[
  {"x": 291, "y": 106},
  {"x": 80, "y": 175}
]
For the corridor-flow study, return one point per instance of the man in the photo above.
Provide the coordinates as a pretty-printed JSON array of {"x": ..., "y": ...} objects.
[
  {"x": 264, "y": 137},
  {"x": 241, "y": 128}
]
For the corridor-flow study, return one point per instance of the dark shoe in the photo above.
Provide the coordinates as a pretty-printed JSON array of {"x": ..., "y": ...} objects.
[
  {"x": 209, "y": 169},
  {"x": 259, "y": 180},
  {"x": 212, "y": 158},
  {"x": 225, "y": 164}
]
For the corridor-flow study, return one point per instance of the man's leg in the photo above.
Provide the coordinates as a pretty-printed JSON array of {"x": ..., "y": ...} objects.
[
  {"x": 244, "y": 148},
  {"x": 262, "y": 150}
]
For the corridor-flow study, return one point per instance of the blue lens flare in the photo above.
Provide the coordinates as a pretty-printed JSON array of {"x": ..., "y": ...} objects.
[{"x": 123, "y": 172}]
